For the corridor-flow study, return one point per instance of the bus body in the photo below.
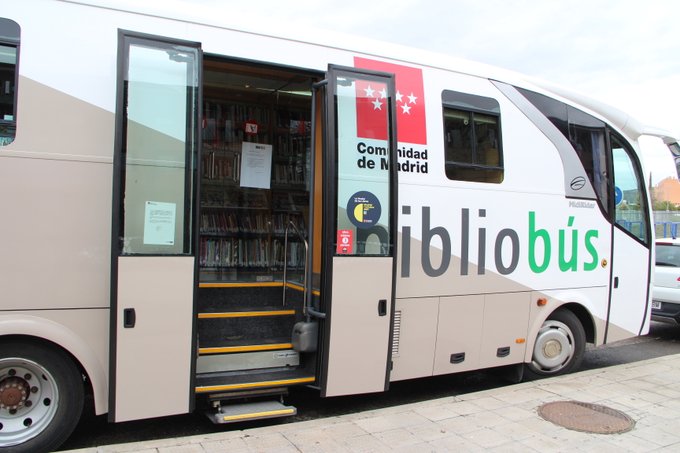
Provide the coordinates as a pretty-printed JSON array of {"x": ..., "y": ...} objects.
[{"x": 198, "y": 213}]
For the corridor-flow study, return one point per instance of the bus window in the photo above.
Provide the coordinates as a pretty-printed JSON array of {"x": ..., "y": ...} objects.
[
  {"x": 159, "y": 144},
  {"x": 9, "y": 46},
  {"x": 472, "y": 138},
  {"x": 586, "y": 135},
  {"x": 630, "y": 193}
]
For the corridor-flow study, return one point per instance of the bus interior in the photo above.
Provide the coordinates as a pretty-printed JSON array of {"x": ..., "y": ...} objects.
[{"x": 254, "y": 224}]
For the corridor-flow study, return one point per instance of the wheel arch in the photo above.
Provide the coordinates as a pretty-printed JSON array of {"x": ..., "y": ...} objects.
[
  {"x": 584, "y": 317},
  {"x": 34, "y": 329}
]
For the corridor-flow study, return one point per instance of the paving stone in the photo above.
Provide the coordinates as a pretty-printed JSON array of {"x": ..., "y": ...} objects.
[
  {"x": 429, "y": 431},
  {"x": 489, "y": 403},
  {"x": 436, "y": 413},
  {"x": 456, "y": 444},
  {"x": 515, "y": 431},
  {"x": 379, "y": 423},
  {"x": 235, "y": 445},
  {"x": 487, "y": 438},
  {"x": 655, "y": 435},
  {"x": 513, "y": 413},
  {"x": 343, "y": 430},
  {"x": 397, "y": 438},
  {"x": 269, "y": 443},
  {"x": 188, "y": 448},
  {"x": 365, "y": 444}
]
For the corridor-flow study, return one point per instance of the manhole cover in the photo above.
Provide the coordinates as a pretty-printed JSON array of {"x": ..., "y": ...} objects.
[{"x": 586, "y": 417}]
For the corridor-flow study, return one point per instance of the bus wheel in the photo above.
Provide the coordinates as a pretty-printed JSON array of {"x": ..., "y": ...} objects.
[
  {"x": 559, "y": 346},
  {"x": 41, "y": 397}
]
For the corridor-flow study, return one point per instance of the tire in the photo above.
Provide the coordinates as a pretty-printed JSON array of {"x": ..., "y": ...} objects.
[
  {"x": 559, "y": 347},
  {"x": 41, "y": 397}
]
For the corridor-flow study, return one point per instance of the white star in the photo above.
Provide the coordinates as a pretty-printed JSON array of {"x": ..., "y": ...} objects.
[
  {"x": 369, "y": 91},
  {"x": 377, "y": 105},
  {"x": 383, "y": 93},
  {"x": 399, "y": 96},
  {"x": 412, "y": 99},
  {"x": 406, "y": 109}
]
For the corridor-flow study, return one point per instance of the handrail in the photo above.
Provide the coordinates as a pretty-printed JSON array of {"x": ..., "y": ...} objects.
[{"x": 285, "y": 265}]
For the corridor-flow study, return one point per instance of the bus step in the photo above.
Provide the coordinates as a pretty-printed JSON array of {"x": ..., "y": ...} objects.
[
  {"x": 226, "y": 360},
  {"x": 239, "y": 381},
  {"x": 246, "y": 314},
  {"x": 230, "y": 347},
  {"x": 250, "y": 411}
]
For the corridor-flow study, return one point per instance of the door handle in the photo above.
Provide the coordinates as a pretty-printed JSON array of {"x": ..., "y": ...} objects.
[
  {"x": 129, "y": 318},
  {"x": 382, "y": 307},
  {"x": 616, "y": 282}
]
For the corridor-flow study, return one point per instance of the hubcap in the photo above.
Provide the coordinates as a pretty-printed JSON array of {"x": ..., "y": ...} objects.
[
  {"x": 13, "y": 393},
  {"x": 29, "y": 400},
  {"x": 554, "y": 347}
]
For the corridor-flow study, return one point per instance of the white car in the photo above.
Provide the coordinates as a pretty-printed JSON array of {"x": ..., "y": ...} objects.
[{"x": 666, "y": 294}]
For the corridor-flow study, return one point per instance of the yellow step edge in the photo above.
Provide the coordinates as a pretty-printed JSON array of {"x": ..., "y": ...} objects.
[
  {"x": 242, "y": 285},
  {"x": 248, "y": 348},
  {"x": 230, "y": 418},
  {"x": 301, "y": 288},
  {"x": 248, "y": 385},
  {"x": 246, "y": 314},
  {"x": 294, "y": 286}
]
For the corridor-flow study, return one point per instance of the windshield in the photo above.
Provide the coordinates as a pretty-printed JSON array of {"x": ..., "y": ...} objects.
[{"x": 668, "y": 255}]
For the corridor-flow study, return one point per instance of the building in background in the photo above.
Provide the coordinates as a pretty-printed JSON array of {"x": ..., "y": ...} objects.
[{"x": 667, "y": 192}]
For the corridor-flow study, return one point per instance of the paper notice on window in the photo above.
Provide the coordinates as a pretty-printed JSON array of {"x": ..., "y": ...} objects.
[
  {"x": 256, "y": 165},
  {"x": 159, "y": 223}
]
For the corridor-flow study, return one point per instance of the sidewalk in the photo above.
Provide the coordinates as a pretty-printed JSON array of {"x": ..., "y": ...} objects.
[{"x": 503, "y": 419}]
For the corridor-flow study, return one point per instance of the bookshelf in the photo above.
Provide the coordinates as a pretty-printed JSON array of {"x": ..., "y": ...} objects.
[{"x": 242, "y": 229}]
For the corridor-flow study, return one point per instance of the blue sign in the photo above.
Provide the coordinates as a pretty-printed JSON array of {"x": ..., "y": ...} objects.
[{"x": 618, "y": 195}]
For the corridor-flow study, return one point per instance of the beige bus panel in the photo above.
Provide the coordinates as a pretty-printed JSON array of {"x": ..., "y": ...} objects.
[
  {"x": 459, "y": 331},
  {"x": 153, "y": 359},
  {"x": 359, "y": 338},
  {"x": 415, "y": 336},
  {"x": 59, "y": 119},
  {"x": 57, "y": 232},
  {"x": 506, "y": 319}
]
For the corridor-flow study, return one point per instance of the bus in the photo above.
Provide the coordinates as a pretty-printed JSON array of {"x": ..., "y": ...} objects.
[{"x": 201, "y": 215}]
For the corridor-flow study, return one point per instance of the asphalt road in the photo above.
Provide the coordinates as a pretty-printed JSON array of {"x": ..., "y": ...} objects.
[{"x": 663, "y": 339}]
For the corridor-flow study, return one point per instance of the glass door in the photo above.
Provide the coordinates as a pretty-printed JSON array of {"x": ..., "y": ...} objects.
[
  {"x": 359, "y": 231},
  {"x": 631, "y": 246},
  {"x": 153, "y": 245}
]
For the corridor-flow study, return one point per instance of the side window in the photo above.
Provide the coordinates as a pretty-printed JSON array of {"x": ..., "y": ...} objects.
[
  {"x": 585, "y": 133},
  {"x": 629, "y": 191},
  {"x": 472, "y": 141},
  {"x": 9, "y": 51}
]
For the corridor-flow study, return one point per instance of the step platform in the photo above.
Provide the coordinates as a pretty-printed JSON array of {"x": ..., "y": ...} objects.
[
  {"x": 211, "y": 383},
  {"x": 233, "y": 413}
]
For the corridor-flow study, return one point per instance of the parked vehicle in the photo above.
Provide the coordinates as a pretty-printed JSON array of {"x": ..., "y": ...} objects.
[{"x": 666, "y": 294}]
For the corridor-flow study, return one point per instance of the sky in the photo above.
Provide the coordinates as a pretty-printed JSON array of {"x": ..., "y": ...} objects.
[{"x": 623, "y": 52}]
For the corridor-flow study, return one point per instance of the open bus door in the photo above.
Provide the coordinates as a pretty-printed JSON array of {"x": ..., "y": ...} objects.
[
  {"x": 359, "y": 230},
  {"x": 153, "y": 247}
]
